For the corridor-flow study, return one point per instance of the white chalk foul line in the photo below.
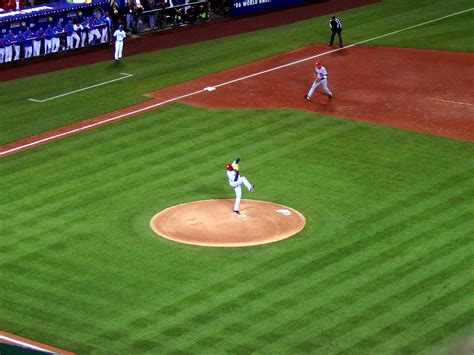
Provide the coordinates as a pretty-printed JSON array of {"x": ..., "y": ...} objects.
[
  {"x": 124, "y": 76},
  {"x": 212, "y": 88},
  {"x": 96, "y": 124},
  {"x": 27, "y": 345},
  {"x": 339, "y": 49},
  {"x": 451, "y": 102}
]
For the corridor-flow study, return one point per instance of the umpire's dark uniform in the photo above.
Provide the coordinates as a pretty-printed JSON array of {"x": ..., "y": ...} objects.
[{"x": 336, "y": 27}]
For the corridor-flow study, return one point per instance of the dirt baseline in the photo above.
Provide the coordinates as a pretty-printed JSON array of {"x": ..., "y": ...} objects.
[
  {"x": 399, "y": 87},
  {"x": 212, "y": 223}
]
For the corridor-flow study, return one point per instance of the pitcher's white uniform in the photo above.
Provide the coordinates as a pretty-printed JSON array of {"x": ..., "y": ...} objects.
[
  {"x": 235, "y": 181},
  {"x": 119, "y": 36},
  {"x": 320, "y": 78}
]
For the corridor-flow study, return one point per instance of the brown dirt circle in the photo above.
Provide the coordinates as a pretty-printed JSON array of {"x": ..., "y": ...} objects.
[{"x": 212, "y": 223}]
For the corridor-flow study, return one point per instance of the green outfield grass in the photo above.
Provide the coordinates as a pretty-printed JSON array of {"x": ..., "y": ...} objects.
[
  {"x": 21, "y": 118},
  {"x": 384, "y": 264}
]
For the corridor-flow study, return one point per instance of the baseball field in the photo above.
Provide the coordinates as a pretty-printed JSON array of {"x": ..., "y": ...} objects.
[{"x": 384, "y": 263}]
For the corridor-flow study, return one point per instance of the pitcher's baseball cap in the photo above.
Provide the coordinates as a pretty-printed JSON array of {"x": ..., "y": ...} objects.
[{"x": 228, "y": 166}]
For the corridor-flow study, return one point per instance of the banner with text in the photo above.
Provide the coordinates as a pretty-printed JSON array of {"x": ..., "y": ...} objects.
[{"x": 245, "y": 7}]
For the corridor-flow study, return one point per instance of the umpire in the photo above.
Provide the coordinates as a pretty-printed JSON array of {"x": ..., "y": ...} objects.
[{"x": 336, "y": 27}]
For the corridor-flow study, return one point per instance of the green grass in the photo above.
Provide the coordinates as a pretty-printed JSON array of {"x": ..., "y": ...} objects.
[
  {"x": 384, "y": 264},
  {"x": 384, "y": 252},
  {"x": 20, "y": 118}
]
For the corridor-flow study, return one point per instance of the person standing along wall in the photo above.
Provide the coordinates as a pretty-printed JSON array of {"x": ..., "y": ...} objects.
[
  {"x": 77, "y": 26},
  {"x": 129, "y": 15},
  {"x": 37, "y": 39},
  {"x": 107, "y": 25},
  {"x": 336, "y": 28},
  {"x": 2, "y": 50},
  {"x": 85, "y": 28},
  {"x": 8, "y": 38},
  {"x": 28, "y": 43},
  {"x": 48, "y": 40},
  {"x": 17, "y": 44},
  {"x": 94, "y": 34},
  {"x": 57, "y": 30}
]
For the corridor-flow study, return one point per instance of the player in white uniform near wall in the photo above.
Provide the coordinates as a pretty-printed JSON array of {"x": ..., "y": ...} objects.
[
  {"x": 236, "y": 181},
  {"x": 320, "y": 78},
  {"x": 119, "y": 37}
]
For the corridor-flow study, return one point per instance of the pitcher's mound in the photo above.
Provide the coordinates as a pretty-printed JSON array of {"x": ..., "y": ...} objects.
[{"x": 212, "y": 223}]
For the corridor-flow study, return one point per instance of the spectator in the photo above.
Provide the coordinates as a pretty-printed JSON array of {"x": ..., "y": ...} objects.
[
  {"x": 203, "y": 12},
  {"x": 37, "y": 39},
  {"x": 160, "y": 14},
  {"x": 138, "y": 20},
  {"x": 9, "y": 5},
  {"x": 151, "y": 5},
  {"x": 117, "y": 16},
  {"x": 28, "y": 43},
  {"x": 169, "y": 13},
  {"x": 129, "y": 15}
]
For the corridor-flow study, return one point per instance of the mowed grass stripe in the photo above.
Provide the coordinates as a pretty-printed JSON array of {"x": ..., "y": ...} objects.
[
  {"x": 442, "y": 292},
  {"x": 133, "y": 157},
  {"x": 34, "y": 303},
  {"x": 371, "y": 266},
  {"x": 326, "y": 321},
  {"x": 194, "y": 297},
  {"x": 236, "y": 297},
  {"x": 430, "y": 322},
  {"x": 100, "y": 191},
  {"x": 156, "y": 130},
  {"x": 460, "y": 325},
  {"x": 37, "y": 321},
  {"x": 289, "y": 290}
]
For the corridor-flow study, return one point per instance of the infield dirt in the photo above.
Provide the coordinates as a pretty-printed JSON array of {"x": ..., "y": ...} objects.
[{"x": 212, "y": 223}]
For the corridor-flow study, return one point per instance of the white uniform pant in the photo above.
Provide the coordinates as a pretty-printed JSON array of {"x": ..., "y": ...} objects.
[
  {"x": 55, "y": 45},
  {"x": 73, "y": 41},
  {"x": 48, "y": 43},
  {"x": 118, "y": 49},
  {"x": 17, "y": 52},
  {"x": 28, "y": 51},
  {"x": 324, "y": 84},
  {"x": 8, "y": 54},
  {"x": 238, "y": 190},
  {"x": 36, "y": 48},
  {"x": 83, "y": 38},
  {"x": 94, "y": 34},
  {"x": 2, "y": 55},
  {"x": 105, "y": 34}
]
